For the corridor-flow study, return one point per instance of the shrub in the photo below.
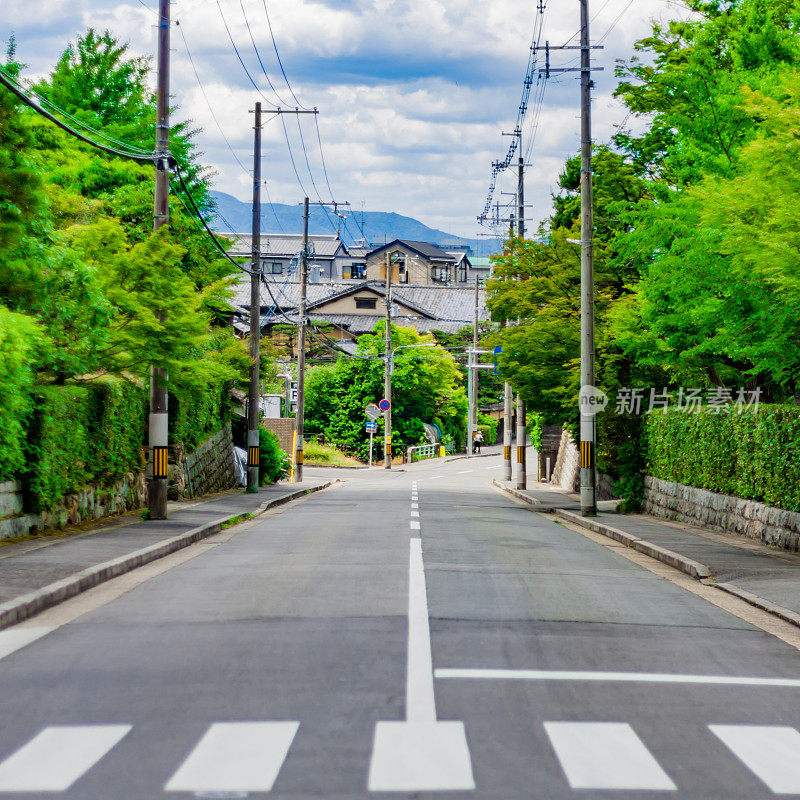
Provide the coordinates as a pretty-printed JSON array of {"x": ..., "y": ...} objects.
[
  {"x": 18, "y": 339},
  {"x": 274, "y": 463},
  {"x": 82, "y": 435},
  {"x": 750, "y": 455},
  {"x": 488, "y": 427}
]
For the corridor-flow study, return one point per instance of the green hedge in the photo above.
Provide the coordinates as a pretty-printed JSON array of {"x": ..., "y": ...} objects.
[
  {"x": 82, "y": 435},
  {"x": 755, "y": 456},
  {"x": 194, "y": 416}
]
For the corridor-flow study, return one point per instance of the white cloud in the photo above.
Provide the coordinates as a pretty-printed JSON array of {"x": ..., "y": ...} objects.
[{"x": 413, "y": 94}]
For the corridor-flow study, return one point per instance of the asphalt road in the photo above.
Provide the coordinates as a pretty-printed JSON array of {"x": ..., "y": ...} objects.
[{"x": 416, "y": 634}]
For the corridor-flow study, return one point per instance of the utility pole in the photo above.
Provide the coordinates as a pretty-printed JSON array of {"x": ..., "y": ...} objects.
[
  {"x": 299, "y": 418},
  {"x": 588, "y": 428},
  {"x": 473, "y": 408},
  {"x": 254, "y": 397},
  {"x": 159, "y": 417},
  {"x": 522, "y": 432},
  {"x": 387, "y": 374}
]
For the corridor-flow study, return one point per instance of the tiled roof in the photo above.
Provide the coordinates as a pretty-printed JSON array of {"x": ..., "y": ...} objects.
[
  {"x": 426, "y": 249},
  {"x": 288, "y": 245},
  {"x": 443, "y": 303}
]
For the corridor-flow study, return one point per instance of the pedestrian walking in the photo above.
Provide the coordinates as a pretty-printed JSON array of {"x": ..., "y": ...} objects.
[{"x": 478, "y": 441}]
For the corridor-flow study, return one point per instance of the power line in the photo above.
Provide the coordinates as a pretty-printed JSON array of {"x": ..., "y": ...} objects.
[
  {"x": 278, "y": 56},
  {"x": 258, "y": 56},
  {"x": 134, "y": 154}
]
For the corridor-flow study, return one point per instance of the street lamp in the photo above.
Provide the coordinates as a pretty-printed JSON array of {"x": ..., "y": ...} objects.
[{"x": 404, "y": 347}]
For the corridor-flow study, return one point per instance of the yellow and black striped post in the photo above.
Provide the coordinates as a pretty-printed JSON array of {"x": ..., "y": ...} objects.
[
  {"x": 253, "y": 456},
  {"x": 160, "y": 462}
]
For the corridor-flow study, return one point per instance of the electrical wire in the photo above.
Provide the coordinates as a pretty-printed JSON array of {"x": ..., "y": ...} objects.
[
  {"x": 278, "y": 56},
  {"x": 10, "y": 84},
  {"x": 258, "y": 56},
  {"x": 200, "y": 217},
  {"x": 208, "y": 103},
  {"x": 238, "y": 55}
]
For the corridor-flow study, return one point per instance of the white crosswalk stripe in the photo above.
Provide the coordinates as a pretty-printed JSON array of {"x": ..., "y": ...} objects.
[
  {"x": 57, "y": 756},
  {"x": 235, "y": 757},
  {"x": 770, "y": 751},
  {"x": 605, "y": 755}
]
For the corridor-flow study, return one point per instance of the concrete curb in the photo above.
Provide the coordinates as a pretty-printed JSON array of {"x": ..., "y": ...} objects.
[
  {"x": 531, "y": 501},
  {"x": 787, "y": 615},
  {"x": 28, "y": 605},
  {"x": 687, "y": 565},
  {"x": 475, "y": 455}
]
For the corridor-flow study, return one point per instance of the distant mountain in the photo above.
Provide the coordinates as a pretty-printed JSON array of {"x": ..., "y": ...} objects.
[{"x": 378, "y": 226}]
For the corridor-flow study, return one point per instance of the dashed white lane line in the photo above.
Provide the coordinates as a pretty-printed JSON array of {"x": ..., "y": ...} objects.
[
  {"x": 496, "y": 466},
  {"x": 770, "y": 751},
  {"x": 235, "y": 757},
  {"x": 437, "y": 477},
  {"x": 465, "y": 471},
  {"x": 414, "y": 524},
  {"x": 415, "y": 505},
  {"x": 606, "y": 755},
  {"x": 55, "y": 758},
  {"x": 415, "y": 513}
]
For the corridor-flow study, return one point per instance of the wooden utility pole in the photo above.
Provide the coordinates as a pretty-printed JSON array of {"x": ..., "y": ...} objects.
[
  {"x": 299, "y": 418},
  {"x": 254, "y": 397},
  {"x": 387, "y": 373},
  {"x": 588, "y": 428},
  {"x": 159, "y": 417}
]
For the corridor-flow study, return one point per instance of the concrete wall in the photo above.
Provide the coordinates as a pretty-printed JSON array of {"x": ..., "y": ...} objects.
[{"x": 767, "y": 524}]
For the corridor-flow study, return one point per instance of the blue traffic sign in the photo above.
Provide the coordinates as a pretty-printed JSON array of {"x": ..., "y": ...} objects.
[
  {"x": 384, "y": 405},
  {"x": 371, "y": 426}
]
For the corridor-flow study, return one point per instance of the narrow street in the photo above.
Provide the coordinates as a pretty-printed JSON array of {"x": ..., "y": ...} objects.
[{"x": 417, "y": 633}]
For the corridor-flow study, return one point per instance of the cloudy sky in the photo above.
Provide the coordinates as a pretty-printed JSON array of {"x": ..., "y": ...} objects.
[{"x": 412, "y": 94}]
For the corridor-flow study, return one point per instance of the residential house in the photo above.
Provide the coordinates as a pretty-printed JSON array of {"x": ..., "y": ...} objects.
[{"x": 417, "y": 263}]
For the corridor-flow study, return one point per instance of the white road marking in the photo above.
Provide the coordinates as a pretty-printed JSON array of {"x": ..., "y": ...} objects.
[
  {"x": 616, "y": 677},
  {"x": 414, "y": 513},
  {"x": 605, "y": 755},
  {"x": 465, "y": 471},
  {"x": 419, "y": 754},
  {"x": 437, "y": 477},
  {"x": 770, "y": 751},
  {"x": 235, "y": 757},
  {"x": 56, "y": 757},
  {"x": 415, "y": 505},
  {"x": 496, "y": 466},
  {"x": 414, "y": 525},
  {"x": 420, "y": 757},
  {"x": 17, "y": 638}
]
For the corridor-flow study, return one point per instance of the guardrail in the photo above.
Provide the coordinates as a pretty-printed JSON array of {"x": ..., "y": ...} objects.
[{"x": 423, "y": 451}]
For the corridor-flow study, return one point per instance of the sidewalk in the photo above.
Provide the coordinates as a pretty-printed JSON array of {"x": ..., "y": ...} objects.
[
  {"x": 767, "y": 577},
  {"x": 39, "y": 573}
]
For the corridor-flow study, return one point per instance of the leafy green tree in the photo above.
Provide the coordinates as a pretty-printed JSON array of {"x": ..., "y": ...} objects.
[{"x": 426, "y": 387}]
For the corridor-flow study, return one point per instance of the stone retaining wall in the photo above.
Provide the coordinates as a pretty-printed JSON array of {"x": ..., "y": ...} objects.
[
  {"x": 85, "y": 505},
  {"x": 209, "y": 468},
  {"x": 767, "y": 524},
  {"x": 567, "y": 471}
]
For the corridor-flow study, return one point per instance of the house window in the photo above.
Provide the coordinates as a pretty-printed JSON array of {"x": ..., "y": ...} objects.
[
  {"x": 277, "y": 267},
  {"x": 366, "y": 302},
  {"x": 440, "y": 273},
  {"x": 462, "y": 273}
]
